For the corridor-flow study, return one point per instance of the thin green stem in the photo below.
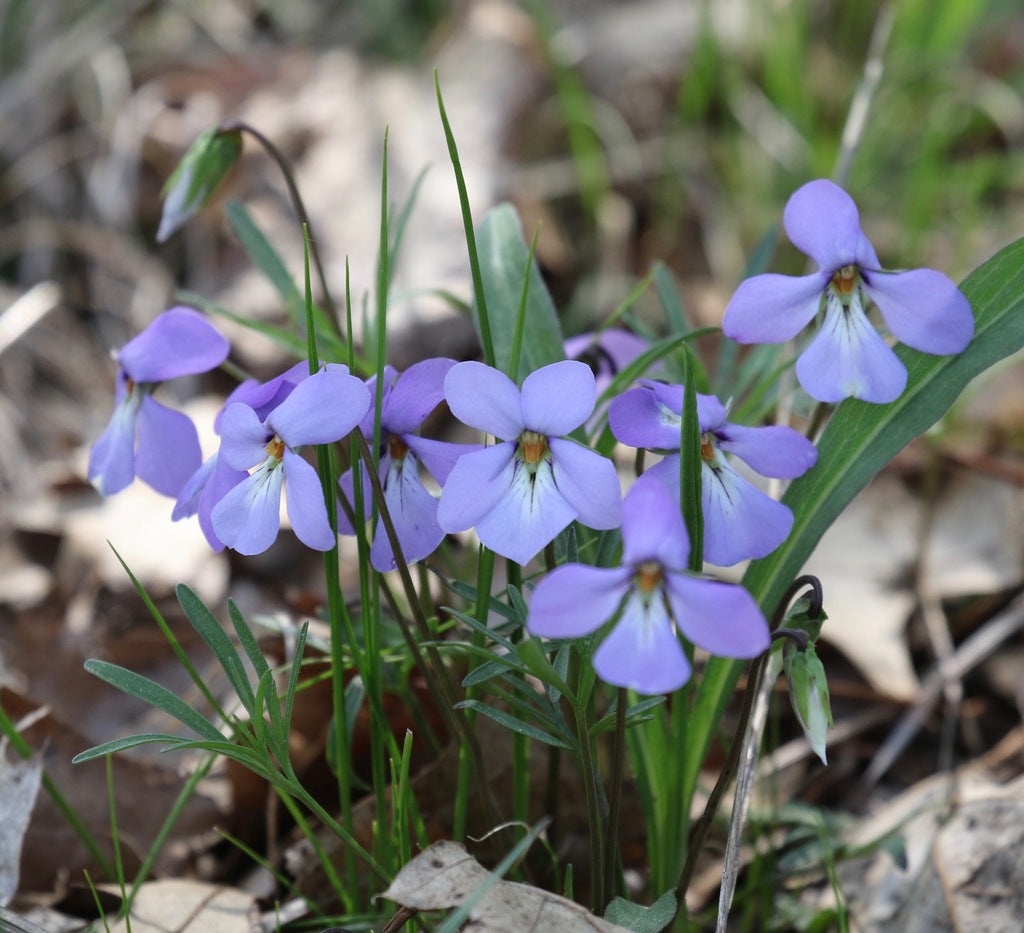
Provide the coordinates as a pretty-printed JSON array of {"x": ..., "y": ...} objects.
[
  {"x": 115, "y": 839},
  {"x": 611, "y": 859},
  {"x": 336, "y": 610},
  {"x": 239, "y": 126},
  {"x": 588, "y": 768},
  {"x": 435, "y": 672}
]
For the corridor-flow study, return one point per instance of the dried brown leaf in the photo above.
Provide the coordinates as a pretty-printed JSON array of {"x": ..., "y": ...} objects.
[{"x": 445, "y": 876}]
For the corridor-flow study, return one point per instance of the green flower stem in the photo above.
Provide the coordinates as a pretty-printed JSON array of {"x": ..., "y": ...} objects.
[
  {"x": 729, "y": 769},
  {"x": 435, "y": 672},
  {"x": 588, "y": 768},
  {"x": 699, "y": 831},
  {"x": 239, "y": 126},
  {"x": 611, "y": 853},
  {"x": 338, "y": 618}
]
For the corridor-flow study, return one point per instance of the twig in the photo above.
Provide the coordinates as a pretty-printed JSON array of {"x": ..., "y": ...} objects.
[{"x": 971, "y": 653}]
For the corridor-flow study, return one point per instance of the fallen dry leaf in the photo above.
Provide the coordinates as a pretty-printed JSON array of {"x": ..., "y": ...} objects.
[
  {"x": 964, "y": 843},
  {"x": 19, "y": 785},
  {"x": 444, "y": 876},
  {"x": 863, "y": 562},
  {"x": 183, "y": 906}
]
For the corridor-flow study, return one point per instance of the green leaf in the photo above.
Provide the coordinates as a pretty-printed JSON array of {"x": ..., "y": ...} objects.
[
  {"x": 262, "y": 253},
  {"x": 858, "y": 441},
  {"x": 503, "y": 257},
  {"x": 211, "y": 631},
  {"x": 154, "y": 694},
  {"x": 197, "y": 176},
  {"x": 119, "y": 745},
  {"x": 512, "y": 723},
  {"x": 248, "y": 640},
  {"x": 640, "y": 919}
]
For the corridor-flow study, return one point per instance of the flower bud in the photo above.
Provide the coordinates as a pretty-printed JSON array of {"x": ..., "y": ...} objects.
[
  {"x": 197, "y": 176},
  {"x": 808, "y": 692}
]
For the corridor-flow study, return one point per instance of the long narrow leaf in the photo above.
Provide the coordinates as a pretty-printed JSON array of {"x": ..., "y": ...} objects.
[
  {"x": 154, "y": 694},
  {"x": 211, "y": 631}
]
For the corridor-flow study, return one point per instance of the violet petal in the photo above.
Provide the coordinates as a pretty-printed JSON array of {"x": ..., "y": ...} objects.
[
  {"x": 414, "y": 513},
  {"x": 179, "y": 342},
  {"x": 558, "y": 398},
  {"x": 485, "y": 399},
  {"x": 652, "y": 525},
  {"x": 642, "y": 651},
  {"x": 740, "y": 521},
  {"x": 849, "y": 358},
  {"x": 112, "y": 457},
  {"x": 321, "y": 409},
  {"x": 439, "y": 457},
  {"x": 923, "y": 308},
  {"x": 575, "y": 600},
  {"x": 773, "y": 308},
  {"x": 772, "y": 450},
  {"x": 474, "y": 486},
  {"x": 304, "y": 495},
  {"x": 243, "y": 437},
  {"x": 248, "y": 519},
  {"x": 168, "y": 451},
  {"x": 418, "y": 391},
  {"x": 527, "y": 517},
  {"x": 588, "y": 482},
  {"x": 822, "y": 221},
  {"x": 719, "y": 617}
]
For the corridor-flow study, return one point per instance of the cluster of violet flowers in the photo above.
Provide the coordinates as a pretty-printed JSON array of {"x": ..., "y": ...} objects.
[{"x": 521, "y": 491}]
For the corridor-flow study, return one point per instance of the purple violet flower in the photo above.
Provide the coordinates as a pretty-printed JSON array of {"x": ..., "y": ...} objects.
[
  {"x": 650, "y": 597},
  {"x": 607, "y": 353},
  {"x": 408, "y": 399},
  {"x": 215, "y": 477},
  {"x": 922, "y": 308},
  {"x": 524, "y": 490},
  {"x": 319, "y": 410},
  {"x": 740, "y": 521},
  {"x": 144, "y": 438}
]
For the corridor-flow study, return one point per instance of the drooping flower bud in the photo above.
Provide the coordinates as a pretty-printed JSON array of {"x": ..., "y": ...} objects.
[{"x": 197, "y": 176}]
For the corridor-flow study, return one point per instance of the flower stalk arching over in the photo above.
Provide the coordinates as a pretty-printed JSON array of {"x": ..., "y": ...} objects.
[
  {"x": 522, "y": 491},
  {"x": 143, "y": 437},
  {"x": 319, "y": 410},
  {"x": 650, "y": 597},
  {"x": 740, "y": 521},
  {"x": 408, "y": 398},
  {"x": 847, "y": 358}
]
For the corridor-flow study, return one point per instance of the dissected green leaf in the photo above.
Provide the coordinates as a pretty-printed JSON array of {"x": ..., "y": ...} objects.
[
  {"x": 154, "y": 694},
  {"x": 211, "y": 631},
  {"x": 512, "y": 723}
]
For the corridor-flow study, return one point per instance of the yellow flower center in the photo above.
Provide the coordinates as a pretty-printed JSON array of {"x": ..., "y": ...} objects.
[
  {"x": 845, "y": 280},
  {"x": 275, "y": 448},
  {"x": 397, "y": 448},
  {"x": 707, "y": 449},
  {"x": 532, "y": 447},
  {"x": 648, "y": 577}
]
